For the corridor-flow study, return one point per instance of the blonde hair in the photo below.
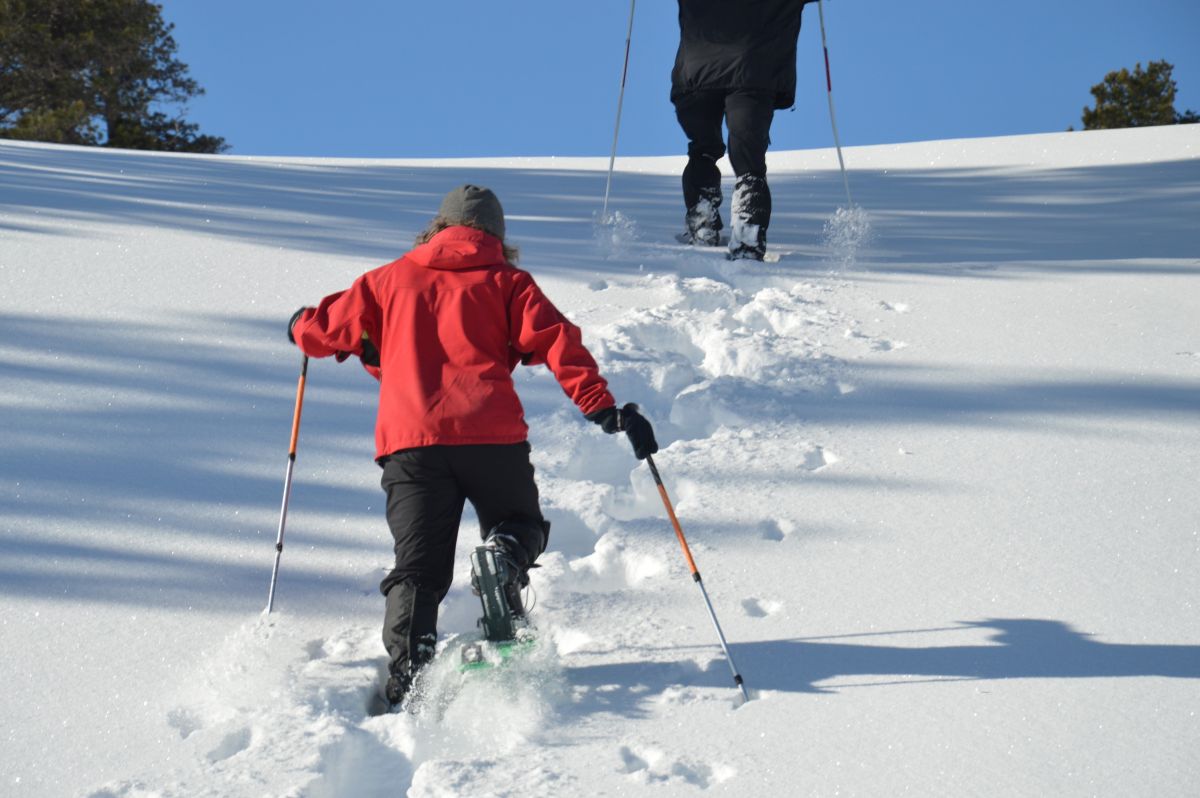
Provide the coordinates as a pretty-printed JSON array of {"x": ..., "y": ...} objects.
[{"x": 440, "y": 223}]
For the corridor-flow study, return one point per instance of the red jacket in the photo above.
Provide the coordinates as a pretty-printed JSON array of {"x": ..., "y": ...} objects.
[{"x": 451, "y": 320}]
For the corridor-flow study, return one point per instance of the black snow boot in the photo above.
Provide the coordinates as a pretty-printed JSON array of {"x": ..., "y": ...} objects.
[
  {"x": 750, "y": 214},
  {"x": 702, "y": 199},
  {"x": 703, "y": 219},
  {"x": 409, "y": 635}
]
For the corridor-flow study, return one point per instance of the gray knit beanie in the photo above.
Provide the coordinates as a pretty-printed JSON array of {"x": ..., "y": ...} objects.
[{"x": 474, "y": 206}]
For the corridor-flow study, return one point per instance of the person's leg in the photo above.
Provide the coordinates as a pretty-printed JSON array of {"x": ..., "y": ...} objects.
[
  {"x": 699, "y": 115},
  {"x": 424, "y": 509},
  {"x": 499, "y": 482},
  {"x": 749, "y": 116},
  {"x": 409, "y": 635}
]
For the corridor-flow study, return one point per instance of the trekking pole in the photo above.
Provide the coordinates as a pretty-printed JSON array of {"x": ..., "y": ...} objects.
[
  {"x": 687, "y": 554},
  {"x": 832, "y": 116},
  {"x": 620, "y": 99},
  {"x": 287, "y": 481}
]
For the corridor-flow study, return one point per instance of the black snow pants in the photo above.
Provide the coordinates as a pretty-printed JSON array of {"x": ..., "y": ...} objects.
[
  {"x": 427, "y": 488},
  {"x": 748, "y": 115}
]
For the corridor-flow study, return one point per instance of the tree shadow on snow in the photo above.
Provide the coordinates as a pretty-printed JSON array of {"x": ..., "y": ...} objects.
[
  {"x": 978, "y": 223},
  {"x": 903, "y": 394},
  {"x": 143, "y": 463}
]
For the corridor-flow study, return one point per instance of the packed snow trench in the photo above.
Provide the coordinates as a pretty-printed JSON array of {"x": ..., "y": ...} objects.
[{"x": 936, "y": 458}]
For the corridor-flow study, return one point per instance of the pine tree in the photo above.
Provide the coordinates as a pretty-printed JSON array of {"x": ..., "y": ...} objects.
[
  {"x": 95, "y": 72},
  {"x": 1136, "y": 99}
]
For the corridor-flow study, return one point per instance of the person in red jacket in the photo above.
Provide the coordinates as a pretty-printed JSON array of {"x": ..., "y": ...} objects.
[{"x": 442, "y": 329}]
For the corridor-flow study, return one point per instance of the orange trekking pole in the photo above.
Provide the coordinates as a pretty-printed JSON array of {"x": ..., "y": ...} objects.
[
  {"x": 687, "y": 554},
  {"x": 287, "y": 481}
]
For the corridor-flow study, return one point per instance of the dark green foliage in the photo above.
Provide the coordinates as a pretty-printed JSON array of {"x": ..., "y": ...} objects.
[
  {"x": 1136, "y": 99},
  {"x": 94, "y": 72}
]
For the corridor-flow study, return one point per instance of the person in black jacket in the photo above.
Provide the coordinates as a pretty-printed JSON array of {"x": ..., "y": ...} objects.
[{"x": 736, "y": 61}]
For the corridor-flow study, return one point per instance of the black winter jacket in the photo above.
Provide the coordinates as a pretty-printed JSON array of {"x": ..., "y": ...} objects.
[{"x": 742, "y": 44}]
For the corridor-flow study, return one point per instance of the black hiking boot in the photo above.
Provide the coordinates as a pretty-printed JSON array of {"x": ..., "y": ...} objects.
[
  {"x": 749, "y": 216},
  {"x": 498, "y": 574},
  {"x": 401, "y": 680},
  {"x": 409, "y": 635},
  {"x": 703, "y": 220},
  {"x": 396, "y": 689}
]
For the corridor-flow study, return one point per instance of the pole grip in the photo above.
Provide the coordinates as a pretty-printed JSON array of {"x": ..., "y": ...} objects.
[{"x": 299, "y": 407}]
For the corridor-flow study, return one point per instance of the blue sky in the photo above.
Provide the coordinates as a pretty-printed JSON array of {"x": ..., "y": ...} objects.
[{"x": 379, "y": 78}]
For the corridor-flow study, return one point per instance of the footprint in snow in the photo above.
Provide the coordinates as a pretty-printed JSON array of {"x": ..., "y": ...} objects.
[
  {"x": 776, "y": 530},
  {"x": 760, "y": 608},
  {"x": 884, "y": 345},
  {"x": 873, "y": 343},
  {"x": 631, "y": 762},
  {"x": 700, "y": 774},
  {"x": 816, "y": 458},
  {"x": 231, "y": 745},
  {"x": 652, "y": 765},
  {"x": 184, "y": 721}
]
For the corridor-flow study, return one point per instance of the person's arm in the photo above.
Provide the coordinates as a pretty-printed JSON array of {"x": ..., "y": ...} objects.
[
  {"x": 540, "y": 333},
  {"x": 343, "y": 324}
]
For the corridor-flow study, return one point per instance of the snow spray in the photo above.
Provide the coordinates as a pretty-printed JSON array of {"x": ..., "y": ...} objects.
[
  {"x": 845, "y": 233},
  {"x": 614, "y": 234},
  {"x": 849, "y": 228}
]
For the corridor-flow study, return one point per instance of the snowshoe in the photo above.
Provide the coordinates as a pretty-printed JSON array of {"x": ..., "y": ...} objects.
[
  {"x": 497, "y": 579},
  {"x": 746, "y": 252},
  {"x": 483, "y": 654},
  {"x": 706, "y": 240}
]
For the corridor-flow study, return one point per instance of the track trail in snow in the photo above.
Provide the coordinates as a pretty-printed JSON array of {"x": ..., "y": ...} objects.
[{"x": 722, "y": 365}]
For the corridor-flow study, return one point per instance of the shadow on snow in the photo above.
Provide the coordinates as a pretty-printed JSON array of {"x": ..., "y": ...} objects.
[
  {"x": 985, "y": 223},
  {"x": 1018, "y": 649}
]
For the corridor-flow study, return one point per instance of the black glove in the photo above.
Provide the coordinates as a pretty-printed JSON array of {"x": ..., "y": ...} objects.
[
  {"x": 292, "y": 322},
  {"x": 369, "y": 356},
  {"x": 635, "y": 425},
  {"x": 639, "y": 431},
  {"x": 609, "y": 419}
]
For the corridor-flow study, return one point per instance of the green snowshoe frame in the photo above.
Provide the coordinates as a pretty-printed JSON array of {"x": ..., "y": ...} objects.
[{"x": 475, "y": 655}]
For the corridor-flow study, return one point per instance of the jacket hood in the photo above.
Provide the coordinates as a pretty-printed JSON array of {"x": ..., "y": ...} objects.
[{"x": 457, "y": 248}]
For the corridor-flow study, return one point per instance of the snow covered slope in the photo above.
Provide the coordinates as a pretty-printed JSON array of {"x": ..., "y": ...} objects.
[{"x": 942, "y": 489}]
